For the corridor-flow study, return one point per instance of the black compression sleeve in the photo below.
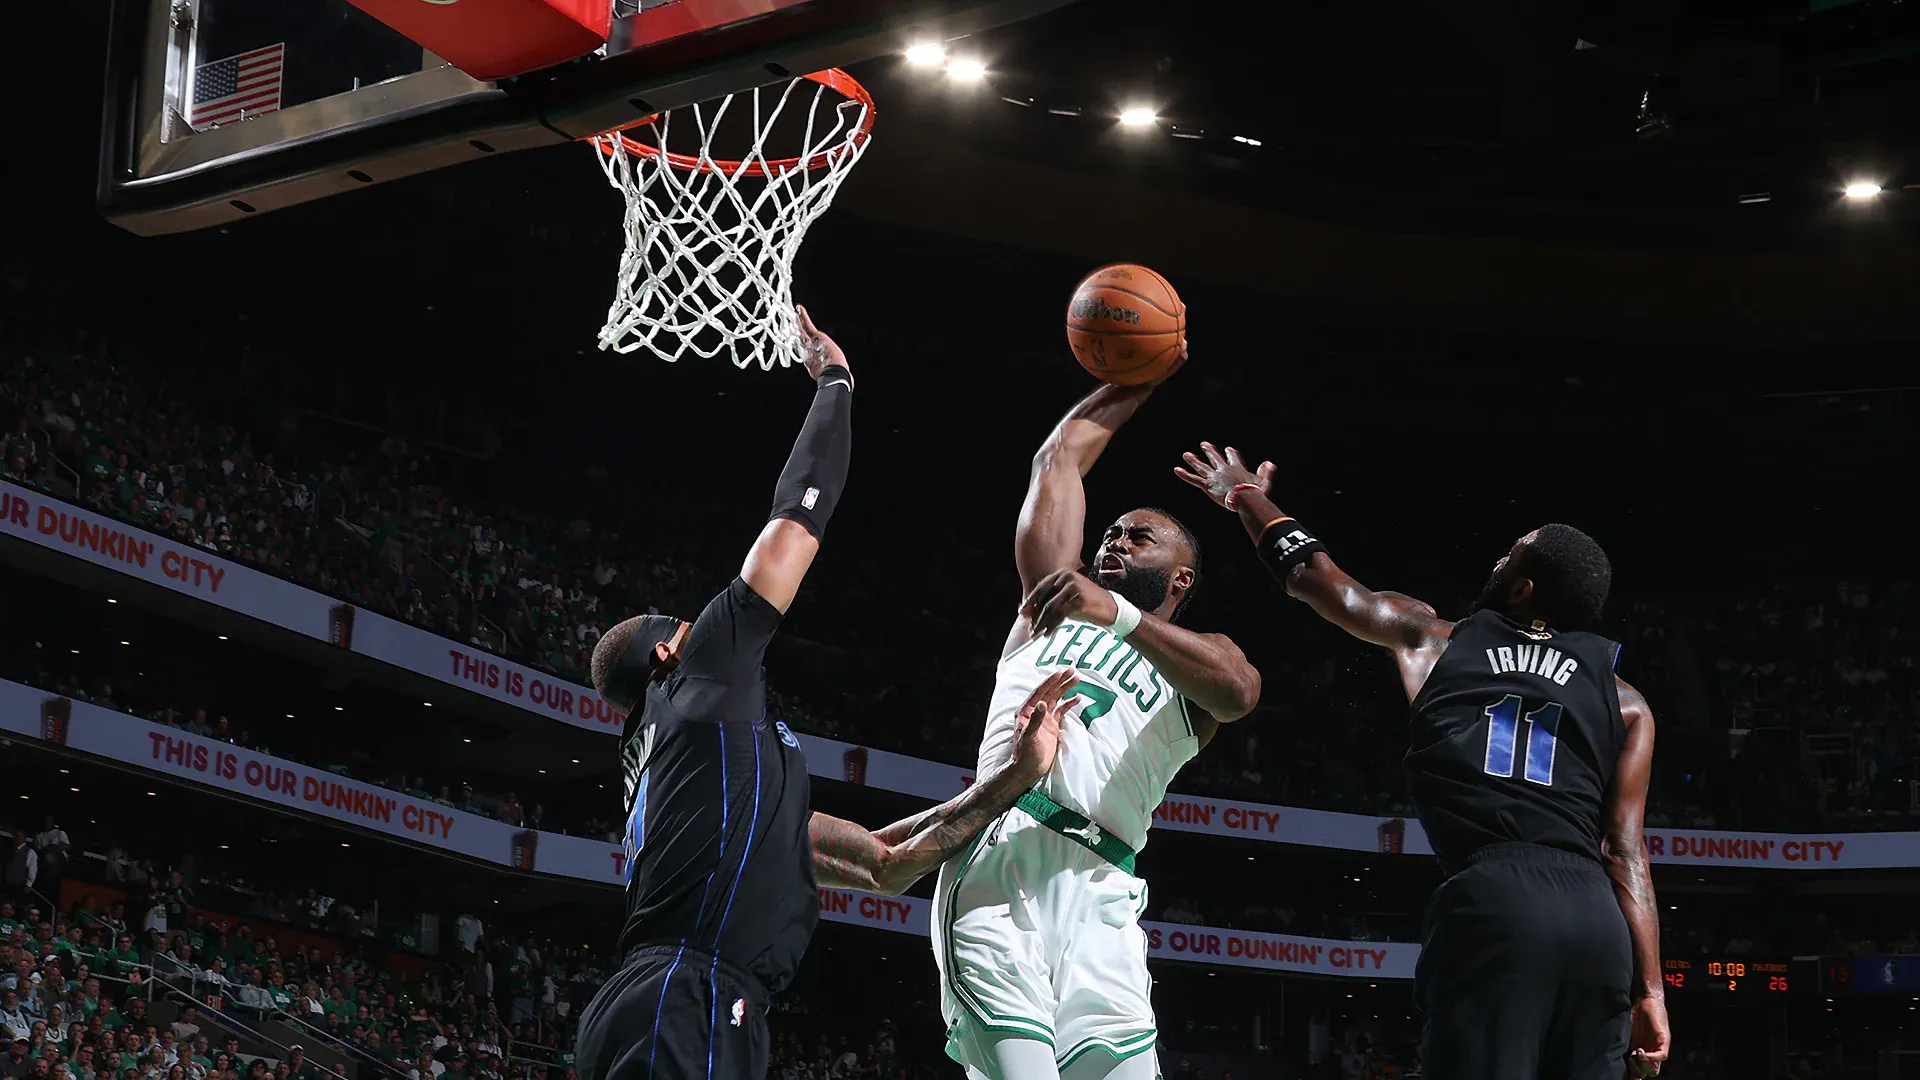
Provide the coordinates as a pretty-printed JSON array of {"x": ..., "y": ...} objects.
[{"x": 816, "y": 472}]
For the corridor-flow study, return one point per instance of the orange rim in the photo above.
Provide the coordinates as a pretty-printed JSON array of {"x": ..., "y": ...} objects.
[{"x": 832, "y": 78}]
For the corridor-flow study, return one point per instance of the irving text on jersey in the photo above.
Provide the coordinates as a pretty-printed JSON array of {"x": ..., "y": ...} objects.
[{"x": 1535, "y": 660}]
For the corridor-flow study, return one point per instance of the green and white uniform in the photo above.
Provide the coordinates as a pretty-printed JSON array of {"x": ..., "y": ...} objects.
[{"x": 1036, "y": 926}]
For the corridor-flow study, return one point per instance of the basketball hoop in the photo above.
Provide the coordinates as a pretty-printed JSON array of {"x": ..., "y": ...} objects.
[{"x": 708, "y": 266}]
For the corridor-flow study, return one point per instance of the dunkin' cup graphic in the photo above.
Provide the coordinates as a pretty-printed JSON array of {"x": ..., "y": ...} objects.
[
  {"x": 340, "y": 626},
  {"x": 55, "y": 715},
  {"x": 524, "y": 845},
  {"x": 856, "y": 765},
  {"x": 1393, "y": 836}
]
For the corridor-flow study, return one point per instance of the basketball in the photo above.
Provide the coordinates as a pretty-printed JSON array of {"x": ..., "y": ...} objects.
[{"x": 1126, "y": 325}]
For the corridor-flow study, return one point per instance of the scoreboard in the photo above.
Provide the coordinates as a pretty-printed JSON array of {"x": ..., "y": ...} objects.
[{"x": 1741, "y": 976}]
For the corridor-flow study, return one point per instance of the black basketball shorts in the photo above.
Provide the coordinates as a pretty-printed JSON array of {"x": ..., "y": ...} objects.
[
  {"x": 1526, "y": 970},
  {"x": 674, "y": 1014}
]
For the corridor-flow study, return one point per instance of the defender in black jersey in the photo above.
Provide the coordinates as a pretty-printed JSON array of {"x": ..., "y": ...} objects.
[
  {"x": 722, "y": 854},
  {"x": 1529, "y": 761}
]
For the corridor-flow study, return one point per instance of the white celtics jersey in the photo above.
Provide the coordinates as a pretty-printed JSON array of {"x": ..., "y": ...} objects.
[{"x": 1120, "y": 744}]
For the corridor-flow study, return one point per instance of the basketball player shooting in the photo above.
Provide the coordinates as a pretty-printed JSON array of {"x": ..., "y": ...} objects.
[
  {"x": 1036, "y": 926},
  {"x": 1529, "y": 764},
  {"x": 722, "y": 855}
]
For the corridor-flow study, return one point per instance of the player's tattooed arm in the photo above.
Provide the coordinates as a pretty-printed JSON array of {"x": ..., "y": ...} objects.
[
  {"x": 847, "y": 856},
  {"x": 1623, "y": 849},
  {"x": 1053, "y": 518},
  {"x": 1415, "y": 633}
]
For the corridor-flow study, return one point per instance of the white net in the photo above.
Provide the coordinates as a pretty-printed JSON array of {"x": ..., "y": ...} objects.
[{"x": 708, "y": 266}]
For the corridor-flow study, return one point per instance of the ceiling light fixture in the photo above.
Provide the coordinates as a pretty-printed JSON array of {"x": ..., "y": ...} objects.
[{"x": 926, "y": 54}]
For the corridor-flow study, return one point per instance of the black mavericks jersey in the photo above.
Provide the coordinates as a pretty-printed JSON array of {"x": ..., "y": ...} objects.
[
  {"x": 717, "y": 854},
  {"x": 1515, "y": 738}
]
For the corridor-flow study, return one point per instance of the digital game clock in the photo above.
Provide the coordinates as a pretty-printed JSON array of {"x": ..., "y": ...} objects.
[{"x": 1744, "y": 976}]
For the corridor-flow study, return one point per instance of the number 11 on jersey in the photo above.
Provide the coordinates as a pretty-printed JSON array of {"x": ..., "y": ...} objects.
[{"x": 1503, "y": 735}]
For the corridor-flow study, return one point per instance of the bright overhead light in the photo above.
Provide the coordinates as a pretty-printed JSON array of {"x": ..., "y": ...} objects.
[
  {"x": 1862, "y": 189},
  {"x": 926, "y": 54},
  {"x": 1245, "y": 141},
  {"x": 1138, "y": 116},
  {"x": 223, "y": 637},
  {"x": 111, "y": 600},
  {"x": 969, "y": 70}
]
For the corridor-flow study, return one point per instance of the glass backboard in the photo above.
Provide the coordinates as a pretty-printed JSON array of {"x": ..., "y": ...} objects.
[{"x": 221, "y": 109}]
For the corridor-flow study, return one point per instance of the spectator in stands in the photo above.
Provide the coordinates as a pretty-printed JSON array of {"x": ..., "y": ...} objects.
[
  {"x": 15, "y": 1065},
  {"x": 21, "y": 449},
  {"x": 13, "y": 1018},
  {"x": 22, "y": 867},
  {"x": 51, "y": 847}
]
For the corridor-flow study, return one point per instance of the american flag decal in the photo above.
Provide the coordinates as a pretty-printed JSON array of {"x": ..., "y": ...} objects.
[{"x": 237, "y": 87}]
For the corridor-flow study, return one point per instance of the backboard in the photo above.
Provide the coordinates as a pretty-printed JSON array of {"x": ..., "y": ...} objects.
[{"x": 218, "y": 110}]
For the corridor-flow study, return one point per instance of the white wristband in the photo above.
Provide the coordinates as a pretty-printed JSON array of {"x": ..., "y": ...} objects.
[{"x": 1125, "y": 617}]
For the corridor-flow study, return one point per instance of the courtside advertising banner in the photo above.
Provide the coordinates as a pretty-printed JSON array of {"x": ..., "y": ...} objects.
[
  {"x": 182, "y": 568},
  {"x": 176, "y": 755},
  {"x": 1168, "y": 941},
  {"x": 62, "y": 527}
]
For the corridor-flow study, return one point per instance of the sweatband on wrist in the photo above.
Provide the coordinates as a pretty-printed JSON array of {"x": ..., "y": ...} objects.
[
  {"x": 1284, "y": 545},
  {"x": 816, "y": 471},
  {"x": 1125, "y": 618},
  {"x": 1236, "y": 490}
]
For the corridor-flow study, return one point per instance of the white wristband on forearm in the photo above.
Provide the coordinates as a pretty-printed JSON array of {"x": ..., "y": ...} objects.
[{"x": 1126, "y": 616}]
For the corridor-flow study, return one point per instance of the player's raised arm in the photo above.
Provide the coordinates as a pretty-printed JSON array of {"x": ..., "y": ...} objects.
[
  {"x": 811, "y": 483},
  {"x": 1623, "y": 849},
  {"x": 1411, "y": 629},
  {"x": 847, "y": 856},
  {"x": 1053, "y": 519}
]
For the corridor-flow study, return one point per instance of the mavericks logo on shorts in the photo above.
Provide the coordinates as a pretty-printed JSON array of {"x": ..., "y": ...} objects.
[{"x": 786, "y": 735}]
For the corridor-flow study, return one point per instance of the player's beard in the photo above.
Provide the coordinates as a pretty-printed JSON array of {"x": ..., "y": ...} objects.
[
  {"x": 1145, "y": 587},
  {"x": 1493, "y": 595}
]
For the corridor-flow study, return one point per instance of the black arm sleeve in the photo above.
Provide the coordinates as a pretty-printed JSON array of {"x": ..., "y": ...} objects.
[{"x": 816, "y": 472}]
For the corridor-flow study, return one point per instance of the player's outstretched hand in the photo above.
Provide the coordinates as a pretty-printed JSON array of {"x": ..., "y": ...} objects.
[
  {"x": 1650, "y": 1039},
  {"x": 1218, "y": 474},
  {"x": 1063, "y": 595},
  {"x": 1037, "y": 738},
  {"x": 818, "y": 351}
]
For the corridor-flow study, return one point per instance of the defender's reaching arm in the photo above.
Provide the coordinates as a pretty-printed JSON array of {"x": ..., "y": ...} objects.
[
  {"x": 847, "y": 856},
  {"x": 1623, "y": 849},
  {"x": 815, "y": 475},
  {"x": 1410, "y": 629}
]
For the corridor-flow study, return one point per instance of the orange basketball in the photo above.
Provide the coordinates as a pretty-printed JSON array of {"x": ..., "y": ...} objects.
[{"x": 1126, "y": 325}]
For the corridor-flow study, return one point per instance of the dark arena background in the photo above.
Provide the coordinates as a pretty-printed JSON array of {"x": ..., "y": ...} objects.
[{"x": 309, "y": 522}]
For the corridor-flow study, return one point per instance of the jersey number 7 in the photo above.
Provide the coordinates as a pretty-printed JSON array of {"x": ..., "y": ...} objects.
[
  {"x": 1099, "y": 700},
  {"x": 1503, "y": 734}
]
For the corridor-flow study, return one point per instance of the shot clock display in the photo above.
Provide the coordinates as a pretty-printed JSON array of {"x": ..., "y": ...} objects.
[{"x": 1741, "y": 976}]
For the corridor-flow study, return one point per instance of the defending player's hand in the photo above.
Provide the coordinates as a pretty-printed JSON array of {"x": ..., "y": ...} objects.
[
  {"x": 1037, "y": 737},
  {"x": 1063, "y": 595},
  {"x": 1218, "y": 474},
  {"x": 1650, "y": 1039},
  {"x": 818, "y": 351}
]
